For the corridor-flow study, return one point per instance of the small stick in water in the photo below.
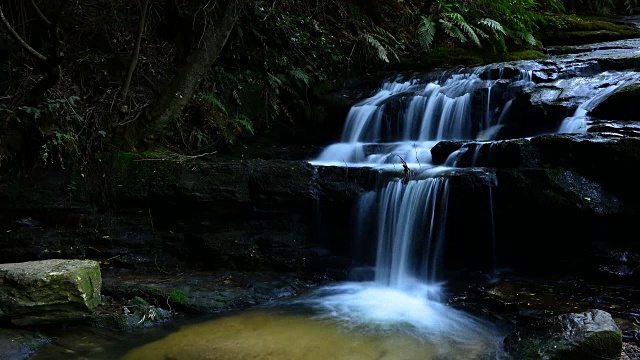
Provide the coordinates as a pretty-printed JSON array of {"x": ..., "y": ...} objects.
[{"x": 407, "y": 172}]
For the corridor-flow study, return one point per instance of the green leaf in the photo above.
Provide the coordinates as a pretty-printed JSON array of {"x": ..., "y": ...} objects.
[
  {"x": 377, "y": 46},
  {"x": 453, "y": 31},
  {"x": 426, "y": 31},
  {"x": 493, "y": 25},
  {"x": 72, "y": 100},
  {"x": 462, "y": 24},
  {"x": 212, "y": 99},
  {"x": 299, "y": 74}
]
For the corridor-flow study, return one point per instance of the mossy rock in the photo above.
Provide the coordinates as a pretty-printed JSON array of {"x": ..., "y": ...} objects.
[
  {"x": 621, "y": 105},
  {"x": 574, "y": 30},
  {"x": 577, "y": 336},
  {"x": 49, "y": 291}
]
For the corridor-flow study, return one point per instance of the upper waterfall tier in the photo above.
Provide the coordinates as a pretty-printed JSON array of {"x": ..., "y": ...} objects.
[
  {"x": 449, "y": 109},
  {"x": 408, "y": 116}
]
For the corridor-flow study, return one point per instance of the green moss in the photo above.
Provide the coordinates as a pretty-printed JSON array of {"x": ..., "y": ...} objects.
[
  {"x": 453, "y": 56},
  {"x": 90, "y": 282},
  {"x": 574, "y": 30},
  {"x": 601, "y": 345},
  {"x": 524, "y": 55},
  {"x": 138, "y": 301},
  {"x": 136, "y": 175},
  {"x": 178, "y": 296},
  {"x": 630, "y": 89},
  {"x": 594, "y": 24},
  {"x": 447, "y": 57}
]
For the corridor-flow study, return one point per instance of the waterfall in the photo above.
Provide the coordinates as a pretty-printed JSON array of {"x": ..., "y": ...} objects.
[
  {"x": 577, "y": 123},
  {"x": 401, "y": 226},
  {"x": 411, "y": 219},
  {"x": 407, "y": 118}
]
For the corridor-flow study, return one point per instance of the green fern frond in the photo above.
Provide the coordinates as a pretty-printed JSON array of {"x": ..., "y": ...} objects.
[
  {"x": 453, "y": 31},
  {"x": 495, "y": 26},
  {"x": 377, "y": 46},
  {"x": 212, "y": 99},
  {"x": 300, "y": 75},
  {"x": 482, "y": 34},
  {"x": 383, "y": 35},
  {"x": 386, "y": 39},
  {"x": 525, "y": 37},
  {"x": 275, "y": 83},
  {"x": 462, "y": 24},
  {"x": 426, "y": 31},
  {"x": 242, "y": 124}
]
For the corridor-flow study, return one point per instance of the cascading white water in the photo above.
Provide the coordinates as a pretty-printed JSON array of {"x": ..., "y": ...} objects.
[
  {"x": 407, "y": 119},
  {"x": 404, "y": 120},
  {"x": 411, "y": 218},
  {"x": 406, "y": 220},
  {"x": 577, "y": 123}
]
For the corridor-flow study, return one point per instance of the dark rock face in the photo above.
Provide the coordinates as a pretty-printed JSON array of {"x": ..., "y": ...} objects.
[
  {"x": 588, "y": 335},
  {"x": 209, "y": 292},
  {"x": 621, "y": 105},
  {"x": 551, "y": 199},
  {"x": 252, "y": 215}
]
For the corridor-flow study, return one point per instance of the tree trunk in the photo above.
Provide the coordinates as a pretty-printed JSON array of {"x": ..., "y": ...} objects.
[
  {"x": 181, "y": 88},
  {"x": 136, "y": 51}
]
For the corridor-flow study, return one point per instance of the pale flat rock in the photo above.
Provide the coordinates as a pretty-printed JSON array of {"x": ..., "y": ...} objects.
[{"x": 49, "y": 291}]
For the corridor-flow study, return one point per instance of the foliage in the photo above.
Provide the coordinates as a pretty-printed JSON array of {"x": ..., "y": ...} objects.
[
  {"x": 178, "y": 296},
  {"x": 54, "y": 126},
  {"x": 279, "y": 57},
  {"x": 494, "y": 22},
  {"x": 607, "y": 7}
]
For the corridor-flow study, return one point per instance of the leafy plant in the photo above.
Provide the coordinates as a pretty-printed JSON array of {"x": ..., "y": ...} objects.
[
  {"x": 480, "y": 22},
  {"x": 178, "y": 296},
  {"x": 426, "y": 31},
  {"x": 217, "y": 119}
]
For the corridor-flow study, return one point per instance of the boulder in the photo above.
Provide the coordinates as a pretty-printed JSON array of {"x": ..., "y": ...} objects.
[
  {"x": 49, "y": 291},
  {"x": 589, "y": 335},
  {"x": 621, "y": 105},
  {"x": 443, "y": 149},
  {"x": 498, "y": 154}
]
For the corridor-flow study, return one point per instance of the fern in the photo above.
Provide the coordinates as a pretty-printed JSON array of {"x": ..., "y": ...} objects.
[
  {"x": 242, "y": 123},
  {"x": 495, "y": 26},
  {"x": 377, "y": 46},
  {"x": 464, "y": 26},
  {"x": 426, "y": 31},
  {"x": 212, "y": 99},
  {"x": 300, "y": 75},
  {"x": 482, "y": 34},
  {"x": 453, "y": 31},
  {"x": 497, "y": 31},
  {"x": 275, "y": 83},
  {"x": 525, "y": 37}
]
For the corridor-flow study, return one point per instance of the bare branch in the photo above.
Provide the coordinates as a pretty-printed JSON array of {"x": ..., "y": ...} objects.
[
  {"x": 40, "y": 14},
  {"x": 17, "y": 38}
]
